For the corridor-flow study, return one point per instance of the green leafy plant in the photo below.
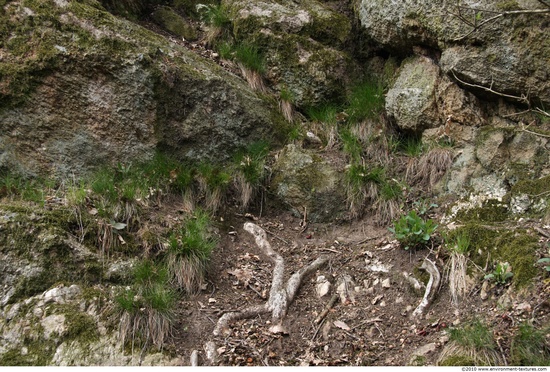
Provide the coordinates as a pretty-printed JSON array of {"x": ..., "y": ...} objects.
[
  {"x": 501, "y": 274},
  {"x": 545, "y": 260},
  {"x": 422, "y": 207},
  {"x": 189, "y": 249},
  {"x": 412, "y": 231}
]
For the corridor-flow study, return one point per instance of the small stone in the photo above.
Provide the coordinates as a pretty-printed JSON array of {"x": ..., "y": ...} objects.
[
  {"x": 399, "y": 300},
  {"x": 323, "y": 286},
  {"x": 386, "y": 283},
  {"x": 38, "y": 312},
  {"x": 523, "y": 307}
]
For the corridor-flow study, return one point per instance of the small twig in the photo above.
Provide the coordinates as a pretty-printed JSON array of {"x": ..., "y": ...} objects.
[
  {"x": 330, "y": 250},
  {"x": 502, "y": 353},
  {"x": 521, "y": 99},
  {"x": 304, "y": 222},
  {"x": 369, "y": 321},
  {"x": 351, "y": 335},
  {"x": 318, "y": 329},
  {"x": 258, "y": 293},
  {"x": 368, "y": 239},
  {"x": 524, "y": 129},
  {"x": 477, "y": 26},
  {"x": 381, "y": 333},
  {"x": 327, "y": 308},
  {"x": 545, "y": 113}
]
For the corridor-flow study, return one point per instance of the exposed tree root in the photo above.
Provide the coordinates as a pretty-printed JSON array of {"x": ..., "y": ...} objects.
[
  {"x": 280, "y": 296},
  {"x": 431, "y": 288}
]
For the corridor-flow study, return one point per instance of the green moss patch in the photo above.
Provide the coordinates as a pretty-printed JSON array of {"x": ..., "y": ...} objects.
[
  {"x": 517, "y": 247},
  {"x": 491, "y": 211}
]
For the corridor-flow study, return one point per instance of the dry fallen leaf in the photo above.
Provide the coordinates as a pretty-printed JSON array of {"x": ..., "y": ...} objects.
[
  {"x": 242, "y": 275},
  {"x": 342, "y": 325}
]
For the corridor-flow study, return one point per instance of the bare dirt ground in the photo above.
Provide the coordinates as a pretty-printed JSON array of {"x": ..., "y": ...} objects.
[{"x": 373, "y": 326}]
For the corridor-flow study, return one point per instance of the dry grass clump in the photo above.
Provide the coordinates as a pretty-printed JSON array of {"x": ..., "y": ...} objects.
[
  {"x": 146, "y": 309},
  {"x": 457, "y": 267},
  {"x": 432, "y": 166},
  {"x": 188, "y": 253}
]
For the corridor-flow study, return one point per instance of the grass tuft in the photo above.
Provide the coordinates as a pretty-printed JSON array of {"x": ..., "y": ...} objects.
[
  {"x": 250, "y": 170},
  {"x": 366, "y": 101},
  {"x": 474, "y": 342},
  {"x": 252, "y": 64},
  {"x": 147, "y": 307},
  {"x": 457, "y": 267},
  {"x": 189, "y": 250},
  {"x": 529, "y": 346}
]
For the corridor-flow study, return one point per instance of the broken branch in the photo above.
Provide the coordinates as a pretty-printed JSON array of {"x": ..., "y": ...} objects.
[{"x": 327, "y": 308}]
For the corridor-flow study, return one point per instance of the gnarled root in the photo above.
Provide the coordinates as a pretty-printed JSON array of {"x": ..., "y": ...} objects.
[
  {"x": 431, "y": 288},
  {"x": 280, "y": 296}
]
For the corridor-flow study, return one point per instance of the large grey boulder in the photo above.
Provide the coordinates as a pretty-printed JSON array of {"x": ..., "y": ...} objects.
[
  {"x": 303, "y": 44},
  {"x": 509, "y": 54},
  {"x": 96, "y": 89}
]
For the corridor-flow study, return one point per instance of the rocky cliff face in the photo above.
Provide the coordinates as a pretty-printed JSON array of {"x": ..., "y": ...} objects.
[{"x": 81, "y": 88}]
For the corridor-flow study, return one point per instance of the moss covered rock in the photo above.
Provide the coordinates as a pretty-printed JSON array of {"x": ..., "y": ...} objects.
[
  {"x": 508, "y": 54},
  {"x": 167, "y": 18},
  {"x": 80, "y": 88},
  {"x": 308, "y": 184},
  {"x": 303, "y": 43}
]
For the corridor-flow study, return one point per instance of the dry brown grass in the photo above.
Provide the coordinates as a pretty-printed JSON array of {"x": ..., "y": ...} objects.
[
  {"x": 244, "y": 188},
  {"x": 254, "y": 79},
  {"x": 188, "y": 271},
  {"x": 432, "y": 166},
  {"x": 287, "y": 109},
  {"x": 477, "y": 356},
  {"x": 386, "y": 211},
  {"x": 458, "y": 282},
  {"x": 147, "y": 325}
]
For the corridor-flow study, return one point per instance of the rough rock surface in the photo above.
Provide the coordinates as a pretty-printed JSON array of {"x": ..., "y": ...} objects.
[
  {"x": 506, "y": 54},
  {"x": 69, "y": 103},
  {"x": 422, "y": 98},
  {"x": 308, "y": 184},
  {"x": 303, "y": 44}
]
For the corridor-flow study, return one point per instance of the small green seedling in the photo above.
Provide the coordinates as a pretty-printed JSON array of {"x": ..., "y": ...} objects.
[
  {"x": 545, "y": 260},
  {"x": 501, "y": 274}
]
